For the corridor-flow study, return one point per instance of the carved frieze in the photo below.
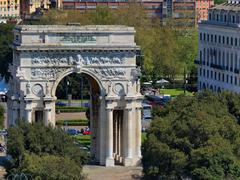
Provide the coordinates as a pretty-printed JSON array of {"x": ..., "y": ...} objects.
[
  {"x": 85, "y": 58},
  {"x": 109, "y": 72},
  {"x": 46, "y": 73}
]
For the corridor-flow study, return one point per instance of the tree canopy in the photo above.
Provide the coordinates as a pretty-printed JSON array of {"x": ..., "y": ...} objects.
[
  {"x": 6, "y": 38},
  {"x": 195, "y": 137},
  {"x": 39, "y": 150}
]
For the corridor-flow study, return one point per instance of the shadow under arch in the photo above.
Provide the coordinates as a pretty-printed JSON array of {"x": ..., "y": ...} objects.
[{"x": 91, "y": 76}]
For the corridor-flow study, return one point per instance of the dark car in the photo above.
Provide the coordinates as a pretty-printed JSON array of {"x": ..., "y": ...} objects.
[
  {"x": 61, "y": 104},
  {"x": 154, "y": 100}
]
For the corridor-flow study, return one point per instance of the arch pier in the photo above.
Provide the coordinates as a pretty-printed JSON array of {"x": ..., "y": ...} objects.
[{"x": 106, "y": 55}]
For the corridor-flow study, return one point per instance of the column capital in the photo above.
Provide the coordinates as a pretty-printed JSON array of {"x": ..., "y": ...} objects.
[
  {"x": 109, "y": 108},
  {"x": 129, "y": 108}
]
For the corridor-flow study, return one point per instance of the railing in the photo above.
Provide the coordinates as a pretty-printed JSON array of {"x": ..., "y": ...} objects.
[
  {"x": 236, "y": 71},
  {"x": 219, "y": 23},
  {"x": 216, "y": 66}
]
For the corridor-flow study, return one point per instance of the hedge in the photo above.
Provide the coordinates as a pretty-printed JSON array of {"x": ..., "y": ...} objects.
[
  {"x": 77, "y": 122},
  {"x": 70, "y": 109}
]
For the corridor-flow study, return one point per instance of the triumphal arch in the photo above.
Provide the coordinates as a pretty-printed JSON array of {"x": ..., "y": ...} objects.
[{"x": 106, "y": 55}]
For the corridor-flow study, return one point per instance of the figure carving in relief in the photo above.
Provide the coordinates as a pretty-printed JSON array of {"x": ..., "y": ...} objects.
[{"x": 28, "y": 88}]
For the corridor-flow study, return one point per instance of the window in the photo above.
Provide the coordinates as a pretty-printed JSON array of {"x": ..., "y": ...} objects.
[
  {"x": 227, "y": 78},
  {"x": 227, "y": 40},
  {"x": 235, "y": 80},
  {"x": 223, "y": 78},
  {"x": 231, "y": 41},
  {"x": 204, "y": 37},
  {"x": 215, "y": 75},
  {"x": 219, "y": 39},
  {"x": 207, "y": 37},
  {"x": 211, "y": 38},
  {"x": 211, "y": 74},
  {"x": 236, "y": 41},
  {"x": 200, "y": 36},
  {"x": 231, "y": 79},
  {"x": 223, "y": 40},
  {"x": 207, "y": 73},
  {"x": 215, "y": 38}
]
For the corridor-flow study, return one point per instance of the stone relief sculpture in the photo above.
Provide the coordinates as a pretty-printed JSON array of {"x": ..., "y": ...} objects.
[
  {"x": 47, "y": 89},
  {"x": 28, "y": 88},
  {"x": 44, "y": 73},
  {"x": 129, "y": 87},
  {"x": 85, "y": 59},
  {"x": 110, "y": 72}
]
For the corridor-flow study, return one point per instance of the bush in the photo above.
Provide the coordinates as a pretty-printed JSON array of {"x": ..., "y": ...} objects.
[
  {"x": 51, "y": 167},
  {"x": 32, "y": 142},
  {"x": 194, "y": 138},
  {"x": 77, "y": 122}
]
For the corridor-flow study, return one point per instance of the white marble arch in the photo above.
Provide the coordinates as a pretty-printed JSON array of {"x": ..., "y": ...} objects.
[{"x": 106, "y": 55}]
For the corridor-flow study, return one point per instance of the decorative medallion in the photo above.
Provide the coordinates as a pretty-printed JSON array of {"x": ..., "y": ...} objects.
[
  {"x": 119, "y": 89},
  {"x": 37, "y": 89}
]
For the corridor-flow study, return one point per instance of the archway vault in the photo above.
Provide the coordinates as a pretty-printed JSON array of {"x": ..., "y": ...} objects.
[{"x": 44, "y": 55}]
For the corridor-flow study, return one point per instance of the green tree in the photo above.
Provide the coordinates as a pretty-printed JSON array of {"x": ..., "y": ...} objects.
[
  {"x": 6, "y": 38},
  {"x": 30, "y": 142},
  {"x": 51, "y": 167},
  {"x": 194, "y": 137}
]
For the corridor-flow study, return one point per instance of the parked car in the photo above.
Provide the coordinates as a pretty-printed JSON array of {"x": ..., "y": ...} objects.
[
  {"x": 146, "y": 112},
  {"x": 3, "y": 132},
  {"x": 59, "y": 103},
  {"x": 154, "y": 100},
  {"x": 72, "y": 131},
  {"x": 87, "y": 133}
]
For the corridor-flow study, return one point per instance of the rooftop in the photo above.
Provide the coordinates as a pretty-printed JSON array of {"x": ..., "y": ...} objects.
[
  {"x": 229, "y": 6},
  {"x": 70, "y": 28}
]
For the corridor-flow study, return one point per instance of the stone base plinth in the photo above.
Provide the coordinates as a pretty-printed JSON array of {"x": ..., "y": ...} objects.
[
  {"x": 109, "y": 162},
  {"x": 128, "y": 162},
  {"x": 136, "y": 161}
]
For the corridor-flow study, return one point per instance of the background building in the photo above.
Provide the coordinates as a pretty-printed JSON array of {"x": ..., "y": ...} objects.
[
  {"x": 9, "y": 9},
  {"x": 219, "y": 42},
  {"x": 33, "y": 6},
  {"x": 202, "y": 7},
  {"x": 184, "y": 12}
]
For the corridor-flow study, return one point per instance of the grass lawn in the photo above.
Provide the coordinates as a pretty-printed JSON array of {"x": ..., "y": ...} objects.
[{"x": 175, "y": 92}]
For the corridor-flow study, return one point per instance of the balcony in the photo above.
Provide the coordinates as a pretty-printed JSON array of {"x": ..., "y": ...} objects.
[
  {"x": 215, "y": 66},
  {"x": 236, "y": 71},
  {"x": 220, "y": 23}
]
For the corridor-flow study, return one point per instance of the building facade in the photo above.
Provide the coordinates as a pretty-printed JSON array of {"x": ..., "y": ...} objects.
[
  {"x": 184, "y": 12},
  {"x": 33, "y": 6},
  {"x": 202, "y": 7},
  {"x": 9, "y": 9},
  {"x": 219, "y": 49}
]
